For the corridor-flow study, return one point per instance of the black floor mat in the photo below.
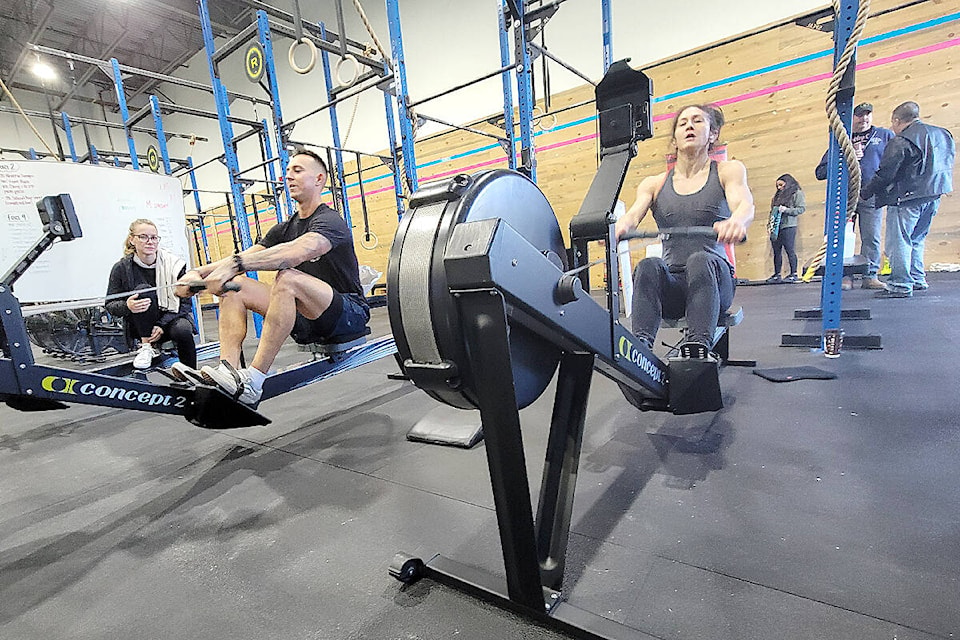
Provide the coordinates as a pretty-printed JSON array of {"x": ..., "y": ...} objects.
[{"x": 786, "y": 374}]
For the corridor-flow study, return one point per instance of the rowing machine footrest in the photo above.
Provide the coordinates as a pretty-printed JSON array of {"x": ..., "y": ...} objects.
[
  {"x": 213, "y": 409},
  {"x": 694, "y": 385},
  {"x": 721, "y": 338}
]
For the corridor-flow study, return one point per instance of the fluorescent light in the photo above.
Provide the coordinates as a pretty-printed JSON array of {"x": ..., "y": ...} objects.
[{"x": 44, "y": 71}]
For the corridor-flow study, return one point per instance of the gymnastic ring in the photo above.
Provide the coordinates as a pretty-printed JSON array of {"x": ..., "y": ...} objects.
[
  {"x": 553, "y": 122},
  {"x": 339, "y": 68},
  {"x": 367, "y": 244},
  {"x": 313, "y": 56}
]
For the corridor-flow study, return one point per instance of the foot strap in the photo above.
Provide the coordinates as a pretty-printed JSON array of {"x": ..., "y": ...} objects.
[
  {"x": 694, "y": 350},
  {"x": 236, "y": 377}
]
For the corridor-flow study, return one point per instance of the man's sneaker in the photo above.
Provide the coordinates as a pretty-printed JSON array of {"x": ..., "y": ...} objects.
[
  {"x": 846, "y": 284},
  {"x": 694, "y": 350},
  {"x": 774, "y": 278},
  {"x": 183, "y": 373},
  {"x": 236, "y": 383},
  {"x": 791, "y": 278},
  {"x": 920, "y": 286},
  {"x": 144, "y": 357},
  {"x": 872, "y": 283}
]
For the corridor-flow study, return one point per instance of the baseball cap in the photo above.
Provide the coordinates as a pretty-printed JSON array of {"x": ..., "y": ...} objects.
[{"x": 862, "y": 108}]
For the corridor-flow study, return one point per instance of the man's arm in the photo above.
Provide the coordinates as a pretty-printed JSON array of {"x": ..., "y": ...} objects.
[
  {"x": 646, "y": 192},
  {"x": 821, "y": 170},
  {"x": 733, "y": 177},
  {"x": 199, "y": 273},
  {"x": 894, "y": 155},
  {"x": 285, "y": 255}
]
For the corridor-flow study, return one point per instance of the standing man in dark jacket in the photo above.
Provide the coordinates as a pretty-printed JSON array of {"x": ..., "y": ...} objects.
[
  {"x": 916, "y": 169},
  {"x": 869, "y": 142}
]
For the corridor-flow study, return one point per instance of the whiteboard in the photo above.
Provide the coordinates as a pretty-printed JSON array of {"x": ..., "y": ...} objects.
[{"x": 107, "y": 199}]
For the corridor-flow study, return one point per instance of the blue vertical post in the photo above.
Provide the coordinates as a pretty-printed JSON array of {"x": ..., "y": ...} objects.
[
  {"x": 33, "y": 153},
  {"x": 161, "y": 136},
  {"x": 226, "y": 133},
  {"x": 94, "y": 156},
  {"x": 124, "y": 113},
  {"x": 270, "y": 70},
  {"x": 400, "y": 82},
  {"x": 392, "y": 135},
  {"x": 837, "y": 180},
  {"x": 275, "y": 188},
  {"x": 196, "y": 202},
  {"x": 528, "y": 157},
  {"x": 335, "y": 129},
  {"x": 506, "y": 79},
  {"x": 226, "y": 129},
  {"x": 66, "y": 127},
  {"x": 607, "y": 25}
]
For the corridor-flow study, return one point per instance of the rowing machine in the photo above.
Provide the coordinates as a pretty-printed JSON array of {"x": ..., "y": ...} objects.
[{"x": 484, "y": 307}]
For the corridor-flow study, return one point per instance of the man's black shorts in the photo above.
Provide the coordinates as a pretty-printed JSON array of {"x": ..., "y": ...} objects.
[{"x": 345, "y": 319}]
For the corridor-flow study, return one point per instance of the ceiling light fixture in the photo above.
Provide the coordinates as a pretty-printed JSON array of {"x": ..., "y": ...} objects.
[{"x": 44, "y": 71}]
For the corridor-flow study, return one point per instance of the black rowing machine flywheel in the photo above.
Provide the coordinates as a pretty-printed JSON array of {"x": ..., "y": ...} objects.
[{"x": 424, "y": 315}]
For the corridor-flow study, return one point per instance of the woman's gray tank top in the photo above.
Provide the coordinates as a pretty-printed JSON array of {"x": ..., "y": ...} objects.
[{"x": 700, "y": 209}]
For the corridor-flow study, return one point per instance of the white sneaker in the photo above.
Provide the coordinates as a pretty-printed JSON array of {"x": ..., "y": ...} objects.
[
  {"x": 144, "y": 357},
  {"x": 183, "y": 373},
  {"x": 236, "y": 383}
]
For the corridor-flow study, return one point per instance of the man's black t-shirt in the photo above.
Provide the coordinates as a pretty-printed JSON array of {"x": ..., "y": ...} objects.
[
  {"x": 338, "y": 267},
  {"x": 861, "y": 137}
]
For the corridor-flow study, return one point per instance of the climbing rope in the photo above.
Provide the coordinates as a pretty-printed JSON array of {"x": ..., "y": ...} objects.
[
  {"x": 373, "y": 34},
  {"x": 837, "y": 128},
  {"x": 27, "y": 119}
]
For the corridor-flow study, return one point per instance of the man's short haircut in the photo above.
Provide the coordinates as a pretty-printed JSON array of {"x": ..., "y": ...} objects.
[
  {"x": 300, "y": 151},
  {"x": 907, "y": 112}
]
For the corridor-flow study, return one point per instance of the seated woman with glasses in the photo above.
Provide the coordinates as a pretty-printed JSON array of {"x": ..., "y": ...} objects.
[{"x": 157, "y": 314}]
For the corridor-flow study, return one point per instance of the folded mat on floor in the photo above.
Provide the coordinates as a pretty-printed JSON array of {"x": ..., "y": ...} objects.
[{"x": 786, "y": 374}]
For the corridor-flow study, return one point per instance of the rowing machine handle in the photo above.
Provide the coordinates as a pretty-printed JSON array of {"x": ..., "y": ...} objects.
[
  {"x": 688, "y": 232},
  {"x": 200, "y": 285}
]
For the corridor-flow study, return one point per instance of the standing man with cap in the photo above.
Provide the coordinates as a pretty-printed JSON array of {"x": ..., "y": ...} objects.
[
  {"x": 916, "y": 169},
  {"x": 869, "y": 142}
]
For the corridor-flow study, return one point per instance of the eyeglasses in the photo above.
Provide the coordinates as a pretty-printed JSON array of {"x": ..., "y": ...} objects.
[{"x": 142, "y": 237}]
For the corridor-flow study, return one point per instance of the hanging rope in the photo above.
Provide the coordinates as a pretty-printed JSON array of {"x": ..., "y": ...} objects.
[
  {"x": 27, "y": 119},
  {"x": 383, "y": 54},
  {"x": 373, "y": 34},
  {"x": 837, "y": 128}
]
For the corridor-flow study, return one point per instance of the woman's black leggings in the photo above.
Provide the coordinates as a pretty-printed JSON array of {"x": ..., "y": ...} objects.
[
  {"x": 786, "y": 240},
  {"x": 180, "y": 330}
]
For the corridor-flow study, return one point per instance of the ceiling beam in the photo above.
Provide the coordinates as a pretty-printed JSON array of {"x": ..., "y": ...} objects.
[
  {"x": 34, "y": 36},
  {"x": 92, "y": 70},
  {"x": 164, "y": 9},
  {"x": 151, "y": 83},
  {"x": 55, "y": 94}
]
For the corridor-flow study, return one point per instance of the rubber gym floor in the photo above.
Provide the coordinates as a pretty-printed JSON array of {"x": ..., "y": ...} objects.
[{"x": 809, "y": 509}]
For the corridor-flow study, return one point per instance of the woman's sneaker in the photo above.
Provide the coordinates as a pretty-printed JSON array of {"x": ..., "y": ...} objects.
[{"x": 144, "y": 357}]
